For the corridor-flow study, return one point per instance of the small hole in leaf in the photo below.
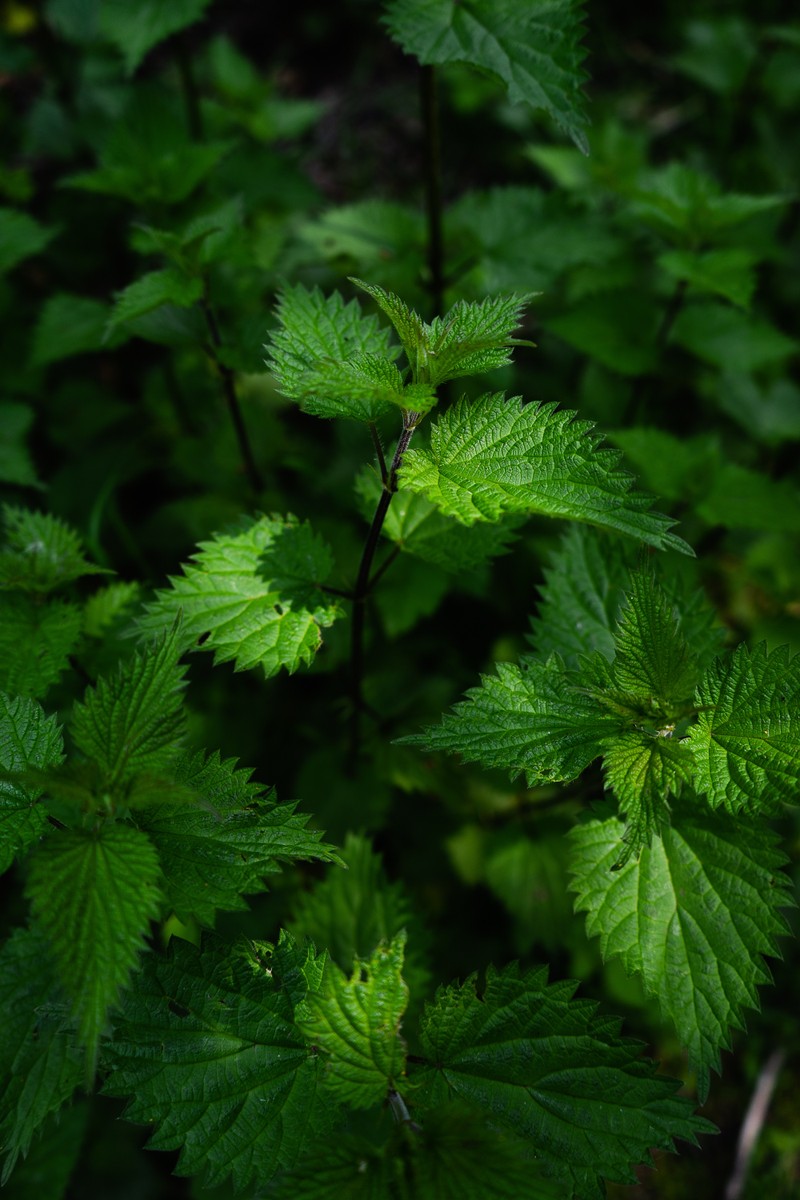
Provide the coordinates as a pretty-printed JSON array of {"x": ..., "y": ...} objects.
[
  {"x": 177, "y": 1009},
  {"x": 279, "y": 609}
]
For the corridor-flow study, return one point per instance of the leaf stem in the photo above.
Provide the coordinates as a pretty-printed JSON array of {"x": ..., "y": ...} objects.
[
  {"x": 363, "y": 586},
  {"x": 433, "y": 185},
  {"x": 376, "y": 442},
  {"x": 232, "y": 400}
]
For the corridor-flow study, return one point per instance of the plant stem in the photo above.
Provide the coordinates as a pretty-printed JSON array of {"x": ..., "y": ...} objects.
[
  {"x": 229, "y": 390},
  {"x": 376, "y": 442},
  {"x": 363, "y": 585},
  {"x": 433, "y": 185}
]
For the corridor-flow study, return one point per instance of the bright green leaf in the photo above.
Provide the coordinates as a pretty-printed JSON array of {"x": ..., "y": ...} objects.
[
  {"x": 746, "y": 742},
  {"x": 355, "y": 1021},
  {"x": 36, "y": 640},
  {"x": 693, "y": 916},
  {"x": 255, "y": 592},
  {"x": 94, "y": 893},
  {"x": 490, "y": 456}
]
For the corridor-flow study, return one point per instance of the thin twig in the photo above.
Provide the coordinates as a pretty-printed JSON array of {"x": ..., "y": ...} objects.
[
  {"x": 362, "y": 588},
  {"x": 376, "y": 442},
  {"x": 384, "y": 567},
  {"x": 232, "y": 400},
  {"x": 753, "y": 1122}
]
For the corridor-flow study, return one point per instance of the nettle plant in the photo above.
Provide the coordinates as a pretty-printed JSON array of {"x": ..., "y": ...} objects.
[
  {"x": 324, "y": 1063},
  {"x": 276, "y": 1064}
]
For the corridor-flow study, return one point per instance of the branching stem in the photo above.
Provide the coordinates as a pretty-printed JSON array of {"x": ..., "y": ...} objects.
[
  {"x": 364, "y": 584},
  {"x": 231, "y": 399}
]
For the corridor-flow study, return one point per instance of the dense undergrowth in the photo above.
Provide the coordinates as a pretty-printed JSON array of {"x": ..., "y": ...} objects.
[{"x": 399, "y": 414}]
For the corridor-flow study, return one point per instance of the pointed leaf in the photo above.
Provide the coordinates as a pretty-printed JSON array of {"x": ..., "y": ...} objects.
[
  {"x": 40, "y": 552},
  {"x": 209, "y": 1049},
  {"x": 40, "y": 1066},
  {"x": 28, "y": 738},
  {"x": 36, "y": 640},
  {"x": 746, "y": 742},
  {"x": 652, "y": 661},
  {"x": 356, "y": 1022},
  {"x": 169, "y": 286},
  {"x": 94, "y": 894},
  {"x": 532, "y": 718},
  {"x": 134, "y": 720},
  {"x": 315, "y": 333},
  {"x": 693, "y": 916},
  {"x": 254, "y": 594},
  {"x": 489, "y": 456},
  {"x": 644, "y": 770},
  {"x": 535, "y": 49},
  {"x": 135, "y": 26},
  {"x": 218, "y": 850},
  {"x": 20, "y": 237},
  {"x": 547, "y": 1068}
]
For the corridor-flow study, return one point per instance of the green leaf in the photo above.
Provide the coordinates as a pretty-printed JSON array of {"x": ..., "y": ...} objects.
[
  {"x": 136, "y": 26},
  {"x": 107, "y": 606},
  {"x": 219, "y": 850},
  {"x": 688, "y": 207},
  {"x": 469, "y": 339},
  {"x": 535, "y": 49},
  {"x": 134, "y": 721},
  {"x": 740, "y": 498},
  {"x": 417, "y": 527},
  {"x": 69, "y": 325},
  {"x": 316, "y": 335},
  {"x": 28, "y": 738},
  {"x": 768, "y": 411},
  {"x": 209, "y": 1049},
  {"x": 549, "y": 1070},
  {"x": 355, "y": 1021},
  {"x": 20, "y": 237},
  {"x": 255, "y": 592},
  {"x": 582, "y": 597},
  {"x": 169, "y": 286},
  {"x": 531, "y": 718},
  {"x": 36, "y": 640},
  {"x": 39, "y": 1065},
  {"x": 16, "y": 466},
  {"x": 644, "y": 770},
  {"x": 652, "y": 661},
  {"x": 40, "y": 552},
  {"x": 746, "y": 742},
  {"x": 693, "y": 916},
  {"x": 729, "y": 339},
  {"x": 351, "y": 912},
  {"x": 372, "y": 236},
  {"x": 674, "y": 468},
  {"x": 490, "y": 456},
  {"x": 361, "y": 388},
  {"x": 729, "y": 272},
  {"x": 94, "y": 893}
]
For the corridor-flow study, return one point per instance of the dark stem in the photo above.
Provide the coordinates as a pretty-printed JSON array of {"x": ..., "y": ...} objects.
[
  {"x": 363, "y": 585},
  {"x": 229, "y": 390},
  {"x": 376, "y": 442},
  {"x": 433, "y": 185},
  {"x": 384, "y": 567},
  {"x": 191, "y": 96}
]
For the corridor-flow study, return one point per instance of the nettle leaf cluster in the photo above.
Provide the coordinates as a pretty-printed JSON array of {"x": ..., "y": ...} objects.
[{"x": 265, "y": 1001}]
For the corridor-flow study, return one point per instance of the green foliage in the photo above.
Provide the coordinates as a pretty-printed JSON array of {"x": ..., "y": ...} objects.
[
  {"x": 356, "y": 1022},
  {"x": 221, "y": 837},
  {"x": 535, "y": 52},
  {"x": 209, "y": 1050},
  {"x": 28, "y": 738},
  {"x": 550, "y": 1070},
  {"x": 206, "y": 184},
  {"x": 254, "y": 594},
  {"x": 693, "y": 916},
  {"x": 94, "y": 893},
  {"x": 493, "y": 456},
  {"x": 41, "y": 1067}
]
